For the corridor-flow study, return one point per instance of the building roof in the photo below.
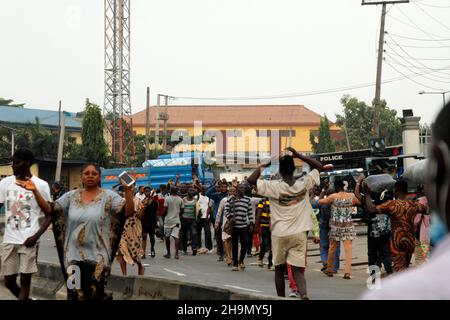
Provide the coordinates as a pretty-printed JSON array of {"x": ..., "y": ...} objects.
[
  {"x": 235, "y": 115},
  {"x": 47, "y": 118}
]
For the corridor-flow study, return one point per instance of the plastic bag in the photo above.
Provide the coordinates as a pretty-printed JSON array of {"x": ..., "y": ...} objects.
[
  {"x": 417, "y": 172},
  {"x": 380, "y": 182}
]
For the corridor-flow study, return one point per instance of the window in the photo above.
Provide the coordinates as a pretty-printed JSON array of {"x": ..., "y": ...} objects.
[{"x": 287, "y": 133}]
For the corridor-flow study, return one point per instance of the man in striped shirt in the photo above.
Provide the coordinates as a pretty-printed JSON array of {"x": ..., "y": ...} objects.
[{"x": 239, "y": 207}]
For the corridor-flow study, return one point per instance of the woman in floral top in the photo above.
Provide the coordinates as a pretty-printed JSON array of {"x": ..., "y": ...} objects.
[
  {"x": 341, "y": 224},
  {"x": 87, "y": 224}
]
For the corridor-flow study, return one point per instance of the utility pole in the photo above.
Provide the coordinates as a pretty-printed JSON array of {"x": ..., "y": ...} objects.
[
  {"x": 12, "y": 143},
  {"x": 12, "y": 138},
  {"x": 158, "y": 101},
  {"x": 147, "y": 127},
  {"x": 165, "y": 118},
  {"x": 346, "y": 137},
  {"x": 62, "y": 125},
  {"x": 376, "y": 115}
]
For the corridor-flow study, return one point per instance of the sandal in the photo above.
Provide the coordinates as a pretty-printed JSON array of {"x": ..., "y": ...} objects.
[
  {"x": 347, "y": 276},
  {"x": 329, "y": 273}
]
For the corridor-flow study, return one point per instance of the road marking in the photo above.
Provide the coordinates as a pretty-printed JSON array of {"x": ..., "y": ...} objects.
[
  {"x": 177, "y": 273},
  {"x": 256, "y": 263},
  {"x": 236, "y": 287}
]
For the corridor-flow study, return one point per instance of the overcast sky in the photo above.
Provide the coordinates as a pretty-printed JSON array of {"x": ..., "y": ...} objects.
[{"x": 53, "y": 50}]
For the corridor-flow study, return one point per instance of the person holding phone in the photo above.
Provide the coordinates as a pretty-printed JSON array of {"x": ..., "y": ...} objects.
[{"x": 88, "y": 225}]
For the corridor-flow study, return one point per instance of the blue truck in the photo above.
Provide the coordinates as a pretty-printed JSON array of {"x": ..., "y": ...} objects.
[{"x": 159, "y": 171}]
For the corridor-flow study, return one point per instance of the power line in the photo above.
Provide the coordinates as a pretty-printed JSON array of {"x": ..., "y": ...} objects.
[
  {"x": 419, "y": 47},
  {"x": 422, "y": 68},
  {"x": 410, "y": 78},
  {"x": 406, "y": 52},
  {"x": 415, "y": 72},
  {"x": 300, "y": 94},
  {"x": 424, "y": 59},
  {"x": 422, "y": 3},
  {"x": 419, "y": 28},
  {"x": 416, "y": 28},
  {"x": 439, "y": 22},
  {"x": 416, "y": 39}
]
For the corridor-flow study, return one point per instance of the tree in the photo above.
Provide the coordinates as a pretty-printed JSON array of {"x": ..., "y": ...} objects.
[
  {"x": 94, "y": 147},
  {"x": 324, "y": 144},
  {"x": 43, "y": 142},
  {"x": 8, "y": 103},
  {"x": 357, "y": 118},
  {"x": 72, "y": 150}
]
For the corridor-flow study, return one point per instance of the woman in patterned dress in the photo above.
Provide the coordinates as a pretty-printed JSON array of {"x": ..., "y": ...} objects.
[
  {"x": 88, "y": 224},
  {"x": 403, "y": 213},
  {"x": 341, "y": 225}
]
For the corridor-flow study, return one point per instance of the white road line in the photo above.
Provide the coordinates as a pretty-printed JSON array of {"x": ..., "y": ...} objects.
[
  {"x": 177, "y": 273},
  {"x": 236, "y": 287}
]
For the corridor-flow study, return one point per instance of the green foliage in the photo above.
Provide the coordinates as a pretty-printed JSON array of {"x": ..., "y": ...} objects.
[
  {"x": 9, "y": 103},
  {"x": 324, "y": 144},
  {"x": 72, "y": 150},
  {"x": 94, "y": 148},
  {"x": 358, "y": 118},
  {"x": 41, "y": 141}
]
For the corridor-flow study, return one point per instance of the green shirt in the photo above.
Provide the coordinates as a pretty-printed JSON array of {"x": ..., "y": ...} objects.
[{"x": 189, "y": 208}]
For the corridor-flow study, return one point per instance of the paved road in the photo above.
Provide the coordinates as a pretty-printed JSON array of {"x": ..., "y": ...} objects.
[{"x": 204, "y": 269}]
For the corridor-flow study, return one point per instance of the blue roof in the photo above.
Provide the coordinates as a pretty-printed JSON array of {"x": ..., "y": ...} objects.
[{"x": 47, "y": 118}]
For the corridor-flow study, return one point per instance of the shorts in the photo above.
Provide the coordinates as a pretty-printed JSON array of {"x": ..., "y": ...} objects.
[
  {"x": 16, "y": 258},
  {"x": 290, "y": 249},
  {"x": 174, "y": 232}
]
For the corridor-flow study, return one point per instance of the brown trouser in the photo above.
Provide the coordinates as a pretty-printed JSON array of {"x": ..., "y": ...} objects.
[{"x": 348, "y": 255}]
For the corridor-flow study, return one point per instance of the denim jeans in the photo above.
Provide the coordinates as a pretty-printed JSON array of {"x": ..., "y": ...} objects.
[
  {"x": 325, "y": 246},
  {"x": 161, "y": 226},
  {"x": 188, "y": 226},
  {"x": 203, "y": 223},
  {"x": 219, "y": 241}
]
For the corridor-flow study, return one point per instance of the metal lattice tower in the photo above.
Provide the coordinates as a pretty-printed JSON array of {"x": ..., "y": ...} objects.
[{"x": 117, "y": 106}]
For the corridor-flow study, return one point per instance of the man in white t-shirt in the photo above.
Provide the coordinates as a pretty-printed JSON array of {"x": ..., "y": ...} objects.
[
  {"x": 291, "y": 216},
  {"x": 25, "y": 197},
  {"x": 139, "y": 197},
  {"x": 206, "y": 205}
]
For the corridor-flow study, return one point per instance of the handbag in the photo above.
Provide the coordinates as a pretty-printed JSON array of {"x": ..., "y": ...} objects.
[{"x": 231, "y": 221}]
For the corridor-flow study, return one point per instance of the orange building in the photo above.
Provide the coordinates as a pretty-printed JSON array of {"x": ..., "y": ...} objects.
[{"x": 237, "y": 129}]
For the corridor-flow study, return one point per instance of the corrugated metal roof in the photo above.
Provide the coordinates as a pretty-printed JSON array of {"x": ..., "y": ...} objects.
[{"x": 47, "y": 118}]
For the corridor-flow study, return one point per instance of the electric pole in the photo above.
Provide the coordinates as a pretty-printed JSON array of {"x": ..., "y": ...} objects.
[
  {"x": 165, "y": 118},
  {"x": 158, "y": 101},
  {"x": 62, "y": 126},
  {"x": 147, "y": 127},
  {"x": 376, "y": 115},
  {"x": 12, "y": 143}
]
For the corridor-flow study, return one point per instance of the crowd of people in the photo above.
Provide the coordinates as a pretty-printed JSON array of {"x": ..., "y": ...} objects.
[{"x": 254, "y": 217}]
